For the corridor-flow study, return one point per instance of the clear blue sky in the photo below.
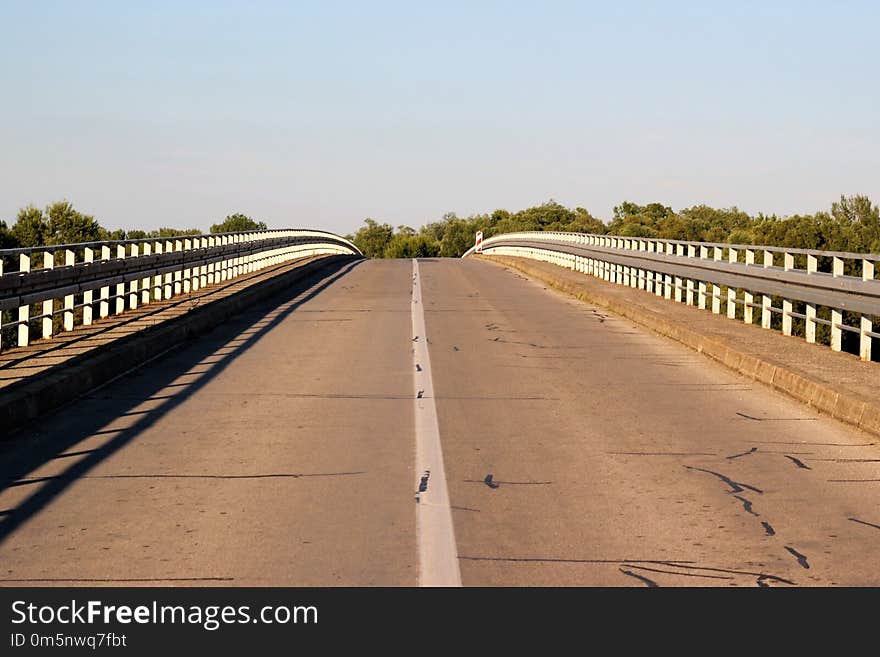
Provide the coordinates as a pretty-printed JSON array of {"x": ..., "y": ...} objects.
[{"x": 323, "y": 113}]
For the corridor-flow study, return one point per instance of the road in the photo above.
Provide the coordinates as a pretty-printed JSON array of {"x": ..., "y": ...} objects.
[{"x": 579, "y": 449}]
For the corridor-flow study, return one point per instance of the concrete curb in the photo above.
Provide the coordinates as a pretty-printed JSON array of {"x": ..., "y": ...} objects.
[
  {"x": 846, "y": 406},
  {"x": 29, "y": 400}
]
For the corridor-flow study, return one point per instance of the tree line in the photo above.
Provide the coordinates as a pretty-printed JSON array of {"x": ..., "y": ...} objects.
[
  {"x": 61, "y": 223},
  {"x": 851, "y": 224}
]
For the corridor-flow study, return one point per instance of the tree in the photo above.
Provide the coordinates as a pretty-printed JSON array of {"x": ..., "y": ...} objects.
[
  {"x": 166, "y": 232},
  {"x": 31, "y": 227},
  {"x": 457, "y": 239},
  {"x": 404, "y": 245},
  {"x": 237, "y": 223},
  {"x": 373, "y": 238},
  {"x": 67, "y": 226},
  {"x": 7, "y": 239}
]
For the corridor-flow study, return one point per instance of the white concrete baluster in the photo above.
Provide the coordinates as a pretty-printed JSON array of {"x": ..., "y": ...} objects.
[
  {"x": 787, "y": 305},
  {"x": 104, "y": 307},
  {"x": 689, "y": 290},
  {"x": 701, "y": 285},
  {"x": 48, "y": 304},
  {"x": 168, "y": 287},
  {"x": 748, "y": 297},
  {"x": 810, "y": 313},
  {"x": 133, "y": 295},
  {"x": 88, "y": 295},
  {"x": 24, "y": 312},
  {"x": 866, "y": 324},
  {"x": 120, "y": 287},
  {"x": 69, "y": 261},
  {"x": 836, "y": 314},
  {"x": 716, "y": 289},
  {"x": 178, "y": 273},
  {"x": 766, "y": 300}
]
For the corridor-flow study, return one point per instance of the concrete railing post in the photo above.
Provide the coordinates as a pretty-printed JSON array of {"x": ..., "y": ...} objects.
[
  {"x": 716, "y": 289},
  {"x": 701, "y": 285},
  {"x": 48, "y": 304},
  {"x": 203, "y": 269},
  {"x": 178, "y": 273},
  {"x": 787, "y": 305},
  {"x": 678, "y": 280},
  {"x": 157, "y": 279},
  {"x": 748, "y": 297},
  {"x": 133, "y": 291},
  {"x": 810, "y": 314},
  {"x": 120, "y": 287},
  {"x": 836, "y": 314},
  {"x": 667, "y": 279},
  {"x": 24, "y": 312},
  {"x": 766, "y": 300},
  {"x": 146, "y": 283},
  {"x": 88, "y": 295},
  {"x": 168, "y": 286},
  {"x": 689, "y": 296},
  {"x": 732, "y": 257},
  {"x": 104, "y": 307},
  {"x": 69, "y": 261},
  {"x": 187, "y": 271},
  {"x": 866, "y": 323},
  {"x": 212, "y": 242}
]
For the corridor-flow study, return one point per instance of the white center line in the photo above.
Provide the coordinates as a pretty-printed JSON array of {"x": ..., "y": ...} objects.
[{"x": 438, "y": 555}]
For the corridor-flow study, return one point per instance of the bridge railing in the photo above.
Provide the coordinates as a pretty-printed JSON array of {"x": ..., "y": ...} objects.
[
  {"x": 79, "y": 283},
  {"x": 814, "y": 288}
]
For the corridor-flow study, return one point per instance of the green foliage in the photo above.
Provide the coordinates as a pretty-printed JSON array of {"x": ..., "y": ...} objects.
[
  {"x": 237, "y": 223},
  {"x": 31, "y": 227},
  {"x": 452, "y": 236},
  {"x": 373, "y": 238},
  {"x": 410, "y": 245},
  {"x": 173, "y": 232},
  {"x": 7, "y": 240},
  {"x": 67, "y": 226}
]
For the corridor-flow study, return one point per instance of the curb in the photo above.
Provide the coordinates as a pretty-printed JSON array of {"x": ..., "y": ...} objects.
[
  {"x": 32, "y": 399},
  {"x": 851, "y": 408}
]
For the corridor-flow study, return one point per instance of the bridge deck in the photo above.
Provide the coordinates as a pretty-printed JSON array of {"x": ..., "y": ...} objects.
[{"x": 279, "y": 449}]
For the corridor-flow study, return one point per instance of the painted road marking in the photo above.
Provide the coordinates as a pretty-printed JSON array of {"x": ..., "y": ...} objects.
[{"x": 438, "y": 555}]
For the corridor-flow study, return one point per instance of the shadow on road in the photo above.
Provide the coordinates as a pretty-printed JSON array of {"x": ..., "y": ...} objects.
[{"x": 211, "y": 353}]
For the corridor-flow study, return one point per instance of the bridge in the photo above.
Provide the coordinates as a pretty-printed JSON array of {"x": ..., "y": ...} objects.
[{"x": 270, "y": 408}]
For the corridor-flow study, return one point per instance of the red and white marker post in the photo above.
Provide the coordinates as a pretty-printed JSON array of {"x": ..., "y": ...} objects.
[{"x": 479, "y": 245}]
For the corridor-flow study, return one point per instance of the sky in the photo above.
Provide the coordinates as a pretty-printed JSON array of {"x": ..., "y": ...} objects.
[{"x": 319, "y": 114}]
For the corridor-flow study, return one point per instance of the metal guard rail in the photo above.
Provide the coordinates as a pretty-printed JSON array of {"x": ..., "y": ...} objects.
[
  {"x": 143, "y": 270},
  {"x": 670, "y": 268}
]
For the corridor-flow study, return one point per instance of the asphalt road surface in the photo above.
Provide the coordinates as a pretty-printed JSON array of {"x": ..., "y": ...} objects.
[{"x": 579, "y": 449}]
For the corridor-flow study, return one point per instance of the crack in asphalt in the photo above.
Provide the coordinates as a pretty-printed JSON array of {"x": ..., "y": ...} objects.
[
  {"x": 774, "y": 419},
  {"x": 775, "y": 578},
  {"x": 647, "y": 581},
  {"x": 864, "y": 522},
  {"x": 797, "y": 462},
  {"x": 671, "y": 563},
  {"x": 801, "y": 558},
  {"x": 768, "y": 528},
  {"x": 736, "y": 486},
  {"x": 747, "y": 505},
  {"x": 736, "y": 456},
  {"x": 673, "y": 572}
]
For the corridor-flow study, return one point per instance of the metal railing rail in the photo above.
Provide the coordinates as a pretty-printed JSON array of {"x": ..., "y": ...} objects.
[
  {"x": 140, "y": 271},
  {"x": 696, "y": 273}
]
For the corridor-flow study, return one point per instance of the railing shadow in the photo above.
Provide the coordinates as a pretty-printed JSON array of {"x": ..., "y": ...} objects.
[{"x": 220, "y": 347}]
